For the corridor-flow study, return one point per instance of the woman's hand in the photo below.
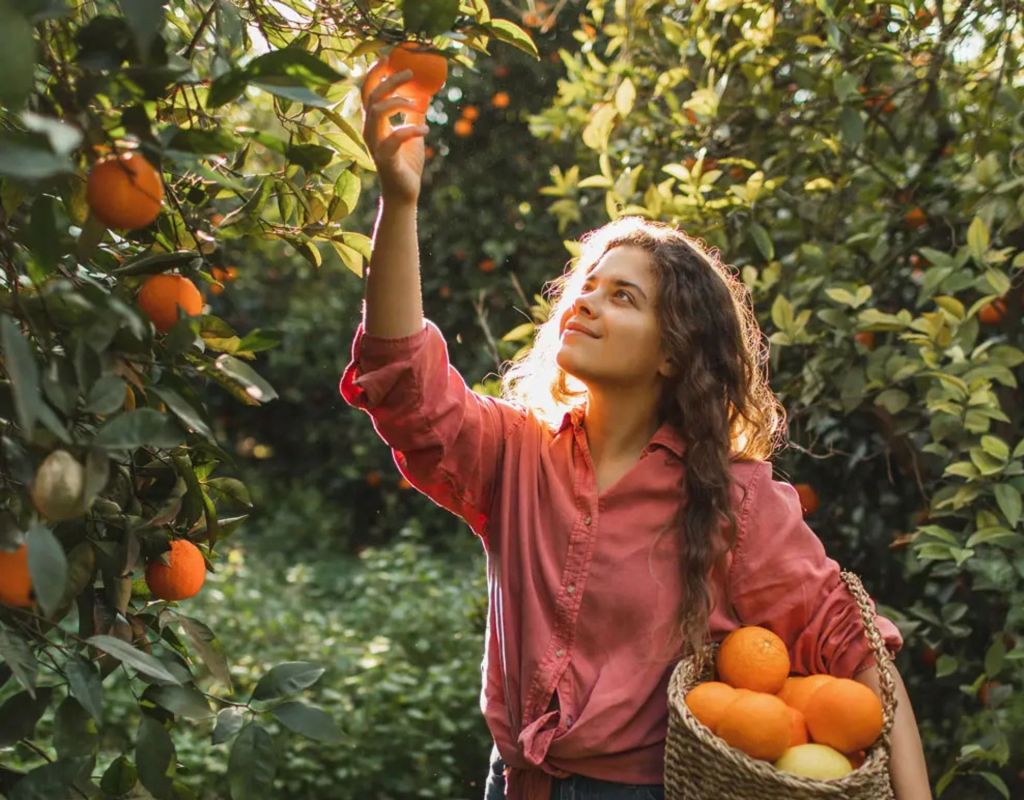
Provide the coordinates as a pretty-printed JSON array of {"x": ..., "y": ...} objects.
[{"x": 397, "y": 152}]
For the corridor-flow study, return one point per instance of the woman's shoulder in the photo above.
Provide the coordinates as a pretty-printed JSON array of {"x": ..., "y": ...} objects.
[{"x": 748, "y": 471}]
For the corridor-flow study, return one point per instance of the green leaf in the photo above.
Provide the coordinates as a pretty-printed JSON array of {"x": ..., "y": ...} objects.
[
  {"x": 17, "y": 57},
  {"x": 120, "y": 777},
  {"x": 20, "y": 714},
  {"x": 48, "y": 567},
  {"x": 154, "y": 757},
  {"x": 74, "y": 731},
  {"x": 997, "y": 783},
  {"x": 995, "y": 657},
  {"x": 995, "y": 447},
  {"x": 762, "y": 240},
  {"x": 21, "y": 366},
  {"x": 105, "y": 396},
  {"x": 292, "y": 66},
  {"x": 978, "y": 240},
  {"x": 229, "y": 722},
  {"x": 851, "y": 126},
  {"x": 183, "y": 701},
  {"x": 184, "y": 411},
  {"x": 251, "y": 765},
  {"x": 1009, "y": 501},
  {"x": 208, "y": 647},
  {"x": 226, "y": 88},
  {"x": 64, "y": 778},
  {"x": 228, "y": 370},
  {"x": 230, "y": 489},
  {"x": 893, "y": 400},
  {"x": 429, "y": 18},
  {"x": 132, "y": 657},
  {"x": 24, "y": 157},
  {"x": 307, "y": 720},
  {"x": 85, "y": 685},
  {"x": 144, "y": 427},
  {"x": 782, "y": 313},
  {"x": 146, "y": 19},
  {"x": 18, "y": 656},
  {"x": 509, "y": 32},
  {"x": 287, "y": 678}
]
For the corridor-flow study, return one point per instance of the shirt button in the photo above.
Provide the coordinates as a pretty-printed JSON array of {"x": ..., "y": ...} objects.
[
  {"x": 586, "y": 520},
  {"x": 571, "y": 588},
  {"x": 559, "y": 652}
]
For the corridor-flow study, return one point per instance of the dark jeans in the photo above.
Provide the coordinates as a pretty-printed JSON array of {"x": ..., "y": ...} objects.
[{"x": 575, "y": 787}]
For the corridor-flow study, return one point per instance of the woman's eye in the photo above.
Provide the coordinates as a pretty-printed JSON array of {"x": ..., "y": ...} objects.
[{"x": 628, "y": 295}]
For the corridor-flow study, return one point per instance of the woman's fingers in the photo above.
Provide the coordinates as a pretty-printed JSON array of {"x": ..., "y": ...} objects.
[
  {"x": 388, "y": 85},
  {"x": 390, "y": 146},
  {"x": 377, "y": 118}
]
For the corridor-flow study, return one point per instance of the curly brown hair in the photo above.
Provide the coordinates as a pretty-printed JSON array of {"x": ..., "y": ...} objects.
[{"x": 719, "y": 398}]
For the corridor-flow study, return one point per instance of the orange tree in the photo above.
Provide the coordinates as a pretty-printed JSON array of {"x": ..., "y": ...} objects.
[
  {"x": 860, "y": 163},
  {"x": 128, "y": 157}
]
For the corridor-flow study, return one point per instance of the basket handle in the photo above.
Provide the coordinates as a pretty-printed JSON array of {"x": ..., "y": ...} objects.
[{"x": 882, "y": 657}]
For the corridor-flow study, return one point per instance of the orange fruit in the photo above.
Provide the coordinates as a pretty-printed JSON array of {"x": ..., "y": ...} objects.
[
  {"x": 429, "y": 72},
  {"x": 471, "y": 113},
  {"x": 487, "y": 265},
  {"x": 809, "y": 502},
  {"x": 797, "y": 727},
  {"x": 707, "y": 701},
  {"x": 915, "y": 218},
  {"x": 752, "y": 657},
  {"x": 124, "y": 191},
  {"x": 445, "y": 292},
  {"x": 993, "y": 313},
  {"x": 500, "y": 100},
  {"x": 378, "y": 72},
  {"x": 856, "y": 759},
  {"x": 162, "y": 295},
  {"x": 15, "y": 583},
  {"x": 463, "y": 128},
  {"x": 799, "y": 690},
  {"x": 865, "y": 338},
  {"x": 758, "y": 724},
  {"x": 373, "y": 478},
  {"x": 182, "y": 578},
  {"x": 785, "y": 694},
  {"x": 844, "y": 714},
  {"x": 404, "y": 484}
]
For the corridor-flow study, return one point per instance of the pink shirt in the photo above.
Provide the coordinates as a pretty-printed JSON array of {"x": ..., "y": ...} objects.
[{"x": 582, "y": 592}]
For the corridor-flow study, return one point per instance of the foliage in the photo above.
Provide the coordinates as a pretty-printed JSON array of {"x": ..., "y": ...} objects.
[
  {"x": 858, "y": 164},
  {"x": 85, "y": 372}
]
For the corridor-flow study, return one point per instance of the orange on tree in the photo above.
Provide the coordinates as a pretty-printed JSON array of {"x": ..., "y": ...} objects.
[
  {"x": 429, "y": 72},
  {"x": 500, "y": 100},
  {"x": 844, "y": 714},
  {"x": 707, "y": 701},
  {"x": 471, "y": 113},
  {"x": 124, "y": 191},
  {"x": 373, "y": 478},
  {"x": 993, "y": 313},
  {"x": 378, "y": 72},
  {"x": 752, "y": 657},
  {"x": 866, "y": 339},
  {"x": 463, "y": 128},
  {"x": 15, "y": 582},
  {"x": 809, "y": 502},
  {"x": 162, "y": 295},
  {"x": 915, "y": 218},
  {"x": 758, "y": 724},
  {"x": 58, "y": 487},
  {"x": 182, "y": 577},
  {"x": 487, "y": 265}
]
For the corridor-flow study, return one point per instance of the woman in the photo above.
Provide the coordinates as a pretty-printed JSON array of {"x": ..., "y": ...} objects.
[{"x": 620, "y": 488}]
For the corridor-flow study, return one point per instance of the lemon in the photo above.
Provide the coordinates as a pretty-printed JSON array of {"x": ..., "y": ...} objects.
[
  {"x": 58, "y": 488},
  {"x": 817, "y": 761}
]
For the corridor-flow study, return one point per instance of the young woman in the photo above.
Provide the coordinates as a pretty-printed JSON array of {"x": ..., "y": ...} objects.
[{"x": 621, "y": 490}]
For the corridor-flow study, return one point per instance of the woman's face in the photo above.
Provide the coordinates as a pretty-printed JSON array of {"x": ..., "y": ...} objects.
[{"x": 617, "y": 305}]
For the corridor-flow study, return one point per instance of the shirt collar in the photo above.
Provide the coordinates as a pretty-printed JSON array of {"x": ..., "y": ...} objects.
[{"x": 666, "y": 436}]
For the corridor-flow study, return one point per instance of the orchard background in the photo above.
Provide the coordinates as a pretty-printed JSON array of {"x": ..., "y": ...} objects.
[{"x": 862, "y": 164}]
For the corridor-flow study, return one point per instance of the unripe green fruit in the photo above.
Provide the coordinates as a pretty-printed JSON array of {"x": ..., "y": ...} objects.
[{"x": 59, "y": 487}]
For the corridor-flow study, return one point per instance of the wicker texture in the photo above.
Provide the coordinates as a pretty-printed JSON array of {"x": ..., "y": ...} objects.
[{"x": 700, "y": 766}]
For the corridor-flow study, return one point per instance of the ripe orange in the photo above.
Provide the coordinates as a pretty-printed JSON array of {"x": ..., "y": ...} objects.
[
  {"x": 471, "y": 113},
  {"x": 463, "y": 128},
  {"x": 865, "y": 338},
  {"x": 798, "y": 691},
  {"x": 844, "y": 714},
  {"x": 429, "y": 70},
  {"x": 373, "y": 478},
  {"x": 707, "y": 701},
  {"x": 404, "y": 484},
  {"x": 378, "y": 72},
  {"x": 500, "y": 100},
  {"x": 162, "y": 295},
  {"x": 758, "y": 724},
  {"x": 15, "y": 583},
  {"x": 915, "y": 218},
  {"x": 487, "y": 265},
  {"x": 993, "y": 313},
  {"x": 752, "y": 657},
  {"x": 124, "y": 191},
  {"x": 183, "y": 578},
  {"x": 809, "y": 502},
  {"x": 798, "y": 727}
]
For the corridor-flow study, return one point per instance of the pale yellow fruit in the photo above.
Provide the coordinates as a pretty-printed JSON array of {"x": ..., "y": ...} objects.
[
  {"x": 58, "y": 488},
  {"x": 817, "y": 761}
]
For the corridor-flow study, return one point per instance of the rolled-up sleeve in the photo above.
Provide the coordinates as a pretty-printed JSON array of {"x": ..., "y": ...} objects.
[
  {"x": 447, "y": 440},
  {"x": 782, "y": 579}
]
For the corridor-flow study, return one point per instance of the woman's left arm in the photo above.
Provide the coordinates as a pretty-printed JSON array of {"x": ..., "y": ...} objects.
[{"x": 907, "y": 767}]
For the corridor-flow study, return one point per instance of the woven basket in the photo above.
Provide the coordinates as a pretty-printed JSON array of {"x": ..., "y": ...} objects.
[{"x": 700, "y": 766}]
